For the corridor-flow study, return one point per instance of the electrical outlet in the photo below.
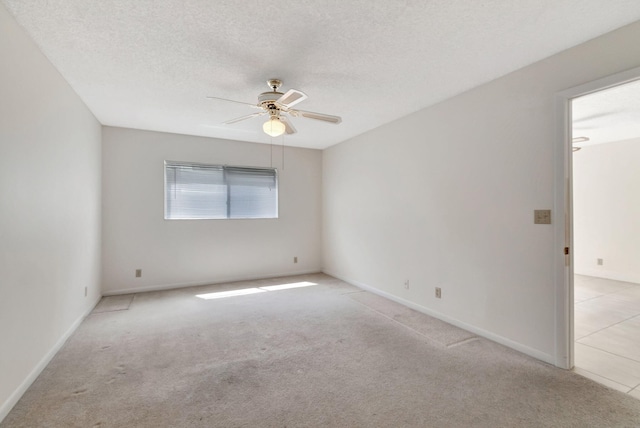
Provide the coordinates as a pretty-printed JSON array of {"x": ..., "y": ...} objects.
[
  {"x": 438, "y": 293},
  {"x": 295, "y": 260},
  {"x": 406, "y": 284},
  {"x": 600, "y": 262},
  {"x": 138, "y": 273}
]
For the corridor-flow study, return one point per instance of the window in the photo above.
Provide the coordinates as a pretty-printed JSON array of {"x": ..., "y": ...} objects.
[{"x": 198, "y": 191}]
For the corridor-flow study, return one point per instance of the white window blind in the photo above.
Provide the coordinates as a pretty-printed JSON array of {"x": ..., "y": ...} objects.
[{"x": 198, "y": 191}]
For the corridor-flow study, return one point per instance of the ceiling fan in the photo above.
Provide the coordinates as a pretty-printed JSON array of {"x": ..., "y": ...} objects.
[{"x": 278, "y": 105}]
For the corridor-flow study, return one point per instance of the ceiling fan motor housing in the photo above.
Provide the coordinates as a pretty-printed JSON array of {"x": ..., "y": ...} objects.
[
  {"x": 269, "y": 97},
  {"x": 267, "y": 100}
]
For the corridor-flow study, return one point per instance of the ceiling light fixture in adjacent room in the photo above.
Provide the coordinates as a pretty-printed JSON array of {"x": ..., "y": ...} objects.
[{"x": 576, "y": 140}]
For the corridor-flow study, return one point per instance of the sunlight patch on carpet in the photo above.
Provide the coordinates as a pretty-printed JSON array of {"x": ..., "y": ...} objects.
[
  {"x": 288, "y": 286},
  {"x": 247, "y": 291}
]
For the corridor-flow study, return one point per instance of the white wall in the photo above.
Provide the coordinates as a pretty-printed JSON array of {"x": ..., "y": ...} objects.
[
  {"x": 606, "y": 206},
  {"x": 49, "y": 211},
  {"x": 183, "y": 252},
  {"x": 445, "y": 197}
]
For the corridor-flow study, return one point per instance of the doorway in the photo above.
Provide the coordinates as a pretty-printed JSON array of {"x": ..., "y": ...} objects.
[{"x": 603, "y": 206}]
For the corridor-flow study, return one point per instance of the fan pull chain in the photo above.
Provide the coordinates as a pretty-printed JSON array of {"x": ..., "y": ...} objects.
[{"x": 283, "y": 152}]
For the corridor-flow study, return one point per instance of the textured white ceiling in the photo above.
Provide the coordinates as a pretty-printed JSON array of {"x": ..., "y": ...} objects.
[
  {"x": 150, "y": 64},
  {"x": 608, "y": 116}
]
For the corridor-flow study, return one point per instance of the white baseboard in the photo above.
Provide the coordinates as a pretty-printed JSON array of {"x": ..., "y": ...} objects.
[
  {"x": 608, "y": 274},
  {"x": 542, "y": 356},
  {"x": 162, "y": 287},
  {"x": 6, "y": 407}
]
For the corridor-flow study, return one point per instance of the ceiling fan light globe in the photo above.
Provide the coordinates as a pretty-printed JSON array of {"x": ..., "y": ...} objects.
[{"x": 273, "y": 127}]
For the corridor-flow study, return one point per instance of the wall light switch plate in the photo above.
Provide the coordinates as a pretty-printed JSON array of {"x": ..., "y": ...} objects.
[{"x": 542, "y": 216}]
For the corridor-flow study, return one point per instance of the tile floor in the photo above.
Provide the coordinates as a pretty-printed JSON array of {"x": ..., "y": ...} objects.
[{"x": 607, "y": 332}]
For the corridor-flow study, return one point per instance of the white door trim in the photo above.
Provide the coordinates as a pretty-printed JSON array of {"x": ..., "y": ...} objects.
[{"x": 563, "y": 223}]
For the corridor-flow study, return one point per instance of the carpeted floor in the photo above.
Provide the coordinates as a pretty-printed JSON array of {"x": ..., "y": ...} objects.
[{"x": 325, "y": 355}]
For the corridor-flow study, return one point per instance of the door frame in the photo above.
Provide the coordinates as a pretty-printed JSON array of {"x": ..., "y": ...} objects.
[{"x": 563, "y": 206}]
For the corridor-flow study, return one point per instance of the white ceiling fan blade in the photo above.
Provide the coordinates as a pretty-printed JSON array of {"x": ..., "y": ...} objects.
[
  {"x": 234, "y": 101},
  {"x": 288, "y": 126},
  {"x": 317, "y": 116},
  {"x": 249, "y": 116},
  {"x": 291, "y": 97}
]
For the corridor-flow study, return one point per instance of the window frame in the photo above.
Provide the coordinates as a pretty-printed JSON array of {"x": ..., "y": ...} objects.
[{"x": 228, "y": 204}]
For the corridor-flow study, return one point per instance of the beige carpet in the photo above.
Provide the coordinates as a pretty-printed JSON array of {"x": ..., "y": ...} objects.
[
  {"x": 326, "y": 355},
  {"x": 433, "y": 329}
]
